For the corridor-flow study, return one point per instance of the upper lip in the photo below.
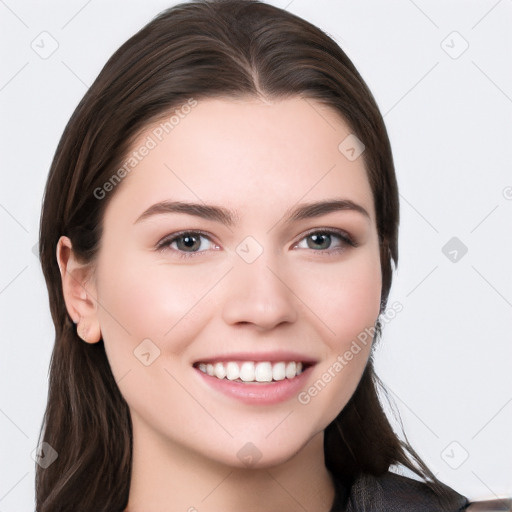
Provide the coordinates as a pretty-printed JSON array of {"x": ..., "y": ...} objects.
[{"x": 272, "y": 357}]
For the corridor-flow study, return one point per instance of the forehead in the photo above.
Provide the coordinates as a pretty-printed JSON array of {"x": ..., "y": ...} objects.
[{"x": 248, "y": 154}]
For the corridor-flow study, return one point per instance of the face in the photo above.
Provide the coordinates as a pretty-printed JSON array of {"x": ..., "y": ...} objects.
[{"x": 253, "y": 281}]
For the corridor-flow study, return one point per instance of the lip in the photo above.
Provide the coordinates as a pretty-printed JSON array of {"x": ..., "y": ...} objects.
[
  {"x": 261, "y": 393},
  {"x": 271, "y": 357}
]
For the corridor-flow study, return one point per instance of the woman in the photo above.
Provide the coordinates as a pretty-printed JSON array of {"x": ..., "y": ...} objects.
[{"x": 218, "y": 236}]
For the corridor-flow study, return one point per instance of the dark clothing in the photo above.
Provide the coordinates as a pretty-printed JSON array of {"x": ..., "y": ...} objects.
[{"x": 393, "y": 493}]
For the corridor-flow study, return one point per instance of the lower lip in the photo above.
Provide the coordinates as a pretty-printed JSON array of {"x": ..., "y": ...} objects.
[{"x": 265, "y": 393}]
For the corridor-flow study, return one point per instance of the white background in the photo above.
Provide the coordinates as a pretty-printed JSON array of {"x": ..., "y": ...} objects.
[{"x": 446, "y": 358}]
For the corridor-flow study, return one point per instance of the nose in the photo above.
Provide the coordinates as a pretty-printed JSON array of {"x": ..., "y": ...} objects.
[{"x": 259, "y": 294}]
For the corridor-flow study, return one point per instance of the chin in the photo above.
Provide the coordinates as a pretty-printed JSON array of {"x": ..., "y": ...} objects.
[{"x": 260, "y": 452}]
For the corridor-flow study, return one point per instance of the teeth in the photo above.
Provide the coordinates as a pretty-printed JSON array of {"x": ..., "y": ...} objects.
[
  {"x": 232, "y": 371},
  {"x": 279, "y": 371},
  {"x": 249, "y": 371},
  {"x": 219, "y": 371},
  {"x": 263, "y": 372},
  {"x": 291, "y": 370}
]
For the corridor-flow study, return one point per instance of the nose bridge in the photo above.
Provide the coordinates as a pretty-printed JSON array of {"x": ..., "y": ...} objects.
[{"x": 257, "y": 292}]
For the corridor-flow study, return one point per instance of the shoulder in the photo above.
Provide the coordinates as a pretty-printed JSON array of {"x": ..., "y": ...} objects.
[{"x": 397, "y": 493}]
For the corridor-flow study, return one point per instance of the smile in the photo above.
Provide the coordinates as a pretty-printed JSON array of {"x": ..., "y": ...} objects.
[{"x": 251, "y": 371}]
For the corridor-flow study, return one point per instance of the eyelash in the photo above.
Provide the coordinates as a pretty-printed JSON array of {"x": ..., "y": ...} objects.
[{"x": 344, "y": 237}]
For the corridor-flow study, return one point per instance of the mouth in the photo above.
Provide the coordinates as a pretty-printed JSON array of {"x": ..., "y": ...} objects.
[
  {"x": 256, "y": 378},
  {"x": 253, "y": 371}
]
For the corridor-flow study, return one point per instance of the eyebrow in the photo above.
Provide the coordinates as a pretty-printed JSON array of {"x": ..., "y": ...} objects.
[{"x": 229, "y": 217}]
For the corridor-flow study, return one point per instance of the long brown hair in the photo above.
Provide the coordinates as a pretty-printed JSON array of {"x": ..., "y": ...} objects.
[{"x": 201, "y": 49}]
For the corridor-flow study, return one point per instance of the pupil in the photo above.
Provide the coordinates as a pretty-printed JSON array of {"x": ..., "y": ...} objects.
[
  {"x": 317, "y": 239},
  {"x": 189, "y": 241}
]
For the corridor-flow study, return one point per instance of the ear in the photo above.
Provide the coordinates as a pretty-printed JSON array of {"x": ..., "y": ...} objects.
[{"x": 79, "y": 292}]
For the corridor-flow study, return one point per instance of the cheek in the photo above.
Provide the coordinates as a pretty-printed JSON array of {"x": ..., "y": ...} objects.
[
  {"x": 345, "y": 296},
  {"x": 348, "y": 305},
  {"x": 157, "y": 302}
]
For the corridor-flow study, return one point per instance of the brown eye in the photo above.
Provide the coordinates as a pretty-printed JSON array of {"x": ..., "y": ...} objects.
[{"x": 188, "y": 242}]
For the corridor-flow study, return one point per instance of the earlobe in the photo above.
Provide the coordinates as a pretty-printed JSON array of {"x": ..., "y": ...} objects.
[{"x": 79, "y": 292}]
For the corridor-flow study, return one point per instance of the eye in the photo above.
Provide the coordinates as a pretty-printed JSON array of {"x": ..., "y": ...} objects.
[
  {"x": 326, "y": 240},
  {"x": 188, "y": 243}
]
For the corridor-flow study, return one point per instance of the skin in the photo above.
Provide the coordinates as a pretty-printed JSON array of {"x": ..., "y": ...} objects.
[{"x": 259, "y": 159}]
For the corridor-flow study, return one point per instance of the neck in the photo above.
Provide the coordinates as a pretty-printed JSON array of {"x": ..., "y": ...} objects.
[{"x": 169, "y": 477}]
